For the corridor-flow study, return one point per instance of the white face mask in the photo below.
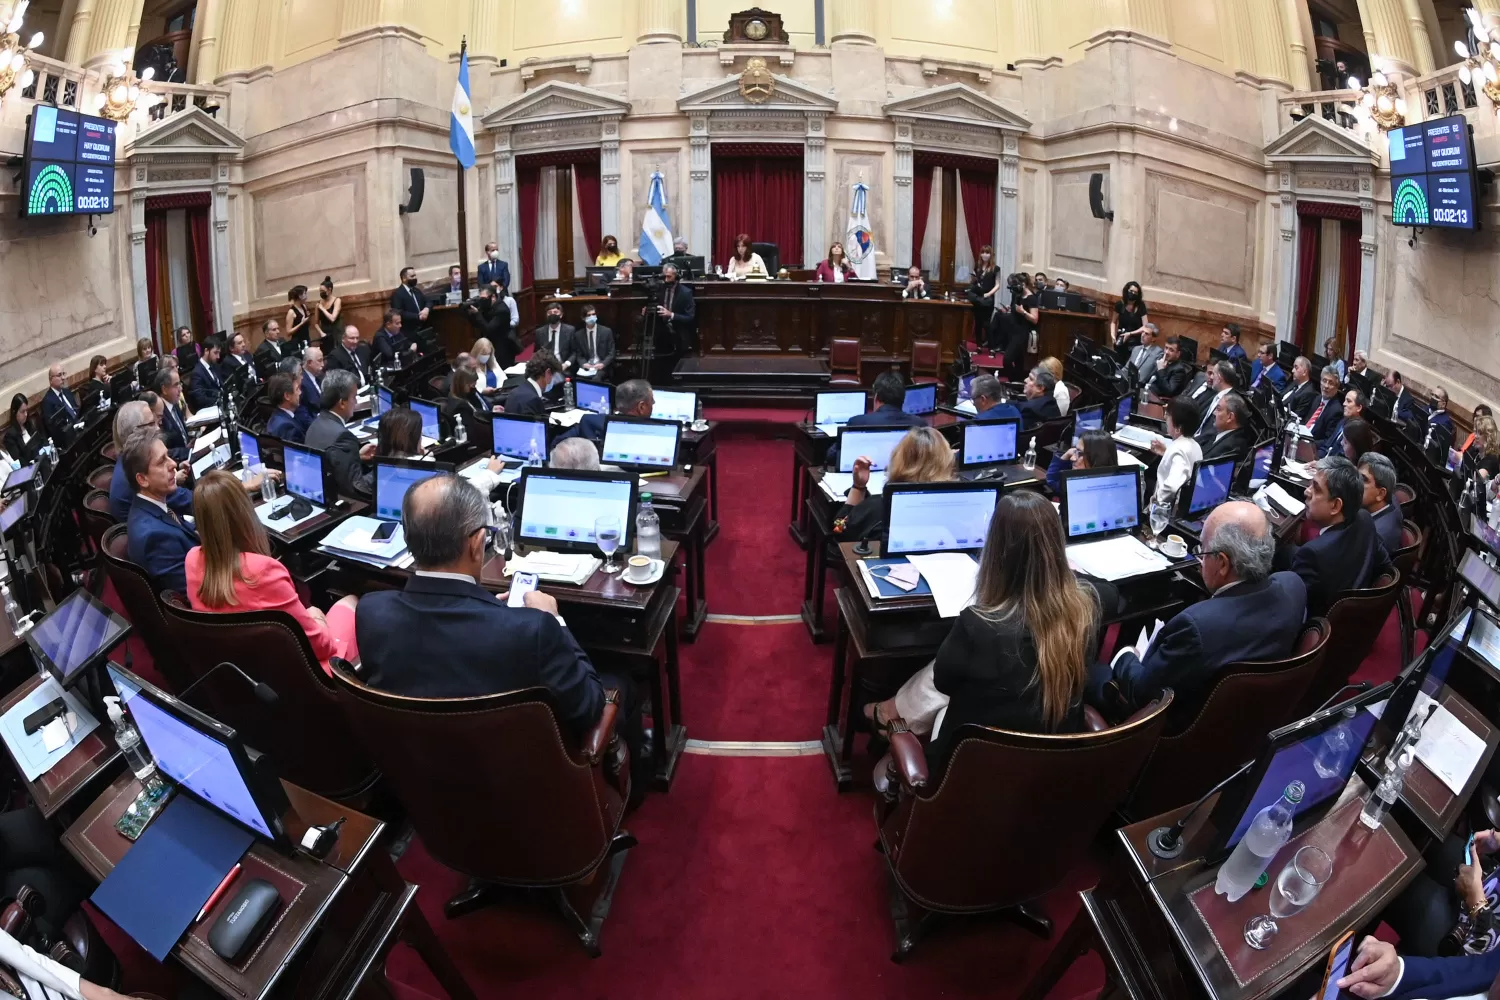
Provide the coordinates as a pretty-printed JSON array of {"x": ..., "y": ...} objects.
[
  {"x": 484, "y": 359},
  {"x": 1060, "y": 287},
  {"x": 591, "y": 320},
  {"x": 494, "y": 255}
]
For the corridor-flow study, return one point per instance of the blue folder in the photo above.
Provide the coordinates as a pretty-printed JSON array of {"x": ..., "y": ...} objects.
[
  {"x": 891, "y": 590},
  {"x": 168, "y": 874}
]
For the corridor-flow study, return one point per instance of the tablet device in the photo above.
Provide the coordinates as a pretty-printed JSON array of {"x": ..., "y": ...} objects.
[
  {"x": 874, "y": 443},
  {"x": 1207, "y": 488},
  {"x": 516, "y": 436},
  {"x": 558, "y": 507},
  {"x": 1481, "y": 577},
  {"x": 596, "y": 397},
  {"x": 679, "y": 406},
  {"x": 988, "y": 442},
  {"x": 249, "y": 450},
  {"x": 1100, "y": 503},
  {"x": 832, "y": 409},
  {"x": 920, "y": 399},
  {"x": 12, "y": 514},
  {"x": 641, "y": 443},
  {"x": 305, "y": 475},
  {"x": 936, "y": 517},
  {"x": 431, "y": 428},
  {"x": 394, "y": 476},
  {"x": 18, "y": 478},
  {"x": 1090, "y": 418},
  {"x": 75, "y": 635}
]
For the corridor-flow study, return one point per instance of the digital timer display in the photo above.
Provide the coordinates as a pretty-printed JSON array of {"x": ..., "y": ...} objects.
[{"x": 1432, "y": 174}]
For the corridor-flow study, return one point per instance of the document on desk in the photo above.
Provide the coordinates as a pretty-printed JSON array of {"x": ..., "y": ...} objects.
[
  {"x": 838, "y": 484},
  {"x": 1298, "y": 470},
  {"x": 36, "y": 754},
  {"x": 556, "y": 567},
  {"x": 952, "y": 577},
  {"x": 1126, "y": 459},
  {"x": 205, "y": 416},
  {"x": 264, "y": 512},
  {"x": 566, "y": 418},
  {"x": 518, "y": 368},
  {"x": 1116, "y": 558},
  {"x": 1449, "y": 749},
  {"x": 1282, "y": 500}
]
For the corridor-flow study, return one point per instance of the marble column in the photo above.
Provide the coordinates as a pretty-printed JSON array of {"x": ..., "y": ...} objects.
[
  {"x": 609, "y": 178},
  {"x": 210, "y": 16},
  {"x": 237, "y": 36},
  {"x": 1027, "y": 31},
  {"x": 1291, "y": 26},
  {"x": 1421, "y": 42},
  {"x": 1369, "y": 228},
  {"x": 1268, "y": 39},
  {"x": 112, "y": 31},
  {"x": 1386, "y": 21},
  {"x": 484, "y": 29},
  {"x": 1287, "y": 259},
  {"x": 219, "y": 216},
  {"x": 700, "y": 188},
  {"x": 1149, "y": 17},
  {"x": 78, "y": 35},
  {"x": 902, "y": 254},
  {"x": 659, "y": 21},
  {"x": 1007, "y": 213},
  {"x": 138, "y": 195},
  {"x": 507, "y": 206},
  {"x": 851, "y": 21},
  {"x": 814, "y": 191},
  {"x": 361, "y": 15}
]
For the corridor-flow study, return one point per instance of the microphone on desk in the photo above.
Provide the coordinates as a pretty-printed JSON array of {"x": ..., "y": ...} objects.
[
  {"x": 262, "y": 691},
  {"x": 1166, "y": 841},
  {"x": 1359, "y": 688}
]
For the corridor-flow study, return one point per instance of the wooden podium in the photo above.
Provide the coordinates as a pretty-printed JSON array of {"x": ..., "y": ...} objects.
[{"x": 1056, "y": 331}]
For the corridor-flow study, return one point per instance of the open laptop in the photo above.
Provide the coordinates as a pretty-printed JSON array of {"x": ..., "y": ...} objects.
[
  {"x": 1123, "y": 410},
  {"x": 669, "y": 405},
  {"x": 596, "y": 397},
  {"x": 987, "y": 450},
  {"x": 1090, "y": 418},
  {"x": 1262, "y": 464},
  {"x": 394, "y": 476},
  {"x": 921, "y": 399},
  {"x": 1205, "y": 489},
  {"x": 937, "y": 517},
  {"x": 641, "y": 444},
  {"x": 833, "y": 409},
  {"x": 431, "y": 425},
  {"x": 1100, "y": 503}
]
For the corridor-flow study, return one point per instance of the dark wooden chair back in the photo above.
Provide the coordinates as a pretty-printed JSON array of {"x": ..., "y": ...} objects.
[
  {"x": 143, "y": 607},
  {"x": 1404, "y": 495},
  {"x": 493, "y": 786},
  {"x": 1246, "y": 700},
  {"x": 1356, "y": 617},
  {"x": 95, "y": 516},
  {"x": 1047, "y": 433},
  {"x": 101, "y": 477},
  {"x": 305, "y": 731},
  {"x": 843, "y": 355},
  {"x": 926, "y": 360},
  {"x": 1405, "y": 558}
]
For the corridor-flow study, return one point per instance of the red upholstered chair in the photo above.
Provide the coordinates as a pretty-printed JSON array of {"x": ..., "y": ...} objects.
[
  {"x": 144, "y": 608},
  {"x": 1404, "y": 495},
  {"x": 1046, "y": 434},
  {"x": 926, "y": 361},
  {"x": 967, "y": 841},
  {"x": 108, "y": 452},
  {"x": 498, "y": 791},
  {"x": 304, "y": 731},
  {"x": 1356, "y": 618},
  {"x": 101, "y": 477},
  {"x": 1405, "y": 561},
  {"x": 1073, "y": 393},
  {"x": 844, "y": 362}
]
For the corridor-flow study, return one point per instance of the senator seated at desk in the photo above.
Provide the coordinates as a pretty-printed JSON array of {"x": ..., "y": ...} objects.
[
  {"x": 543, "y": 373},
  {"x": 631, "y": 399},
  {"x": 286, "y": 396},
  {"x": 311, "y": 380},
  {"x": 392, "y": 347},
  {"x": 1328, "y": 412},
  {"x": 1173, "y": 371},
  {"x": 574, "y": 453},
  {"x": 22, "y": 441},
  {"x": 130, "y": 418},
  {"x": 157, "y": 538},
  {"x": 205, "y": 381},
  {"x": 1095, "y": 450},
  {"x": 1347, "y": 553},
  {"x": 1379, "y": 973},
  {"x": 330, "y": 434},
  {"x": 173, "y": 418},
  {"x": 1378, "y": 475},
  {"x": 1233, "y": 434},
  {"x": 1265, "y": 368},
  {"x": 1178, "y": 457},
  {"x": 922, "y": 456},
  {"x": 1252, "y": 615},
  {"x": 60, "y": 408},
  {"x": 351, "y": 356},
  {"x": 987, "y": 395},
  {"x": 463, "y": 399},
  {"x": 1223, "y": 378},
  {"x": 1144, "y": 356},
  {"x": 1337, "y": 443},
  {"x": 1040, "y": 405},
  {"x": 1300, "y": 397}
]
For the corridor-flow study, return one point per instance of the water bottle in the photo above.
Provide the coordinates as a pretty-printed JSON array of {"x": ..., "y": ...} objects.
[
  {"x": 500, "y": 538},
  {"x": 460, "y": 429},
  {"x": 128, "y": 739},
  {"x": 647, "y": 529},
  {"x": 1378, "y": 803},
  {"x": 1269, "y": 831},
  {"x": 570, "y": 397},
  {"x": 534, "y": 456},
  {"x": 698, "y": 412},
  {"x": 1029, "y": 461},
  {"x": 267, "y": 483},
  {"x": 13, "y": 614}
]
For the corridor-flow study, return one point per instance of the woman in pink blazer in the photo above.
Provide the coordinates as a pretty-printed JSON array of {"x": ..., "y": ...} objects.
[
  {"x": 232, "y": 570},
  {"x": 836, "y": 267}
]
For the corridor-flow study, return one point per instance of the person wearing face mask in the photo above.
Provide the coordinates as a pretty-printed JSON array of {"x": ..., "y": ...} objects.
[
  {"x": 981, "y": 296},
  {"x": 329, "y": 308},
  {"x": 556, "y": 337},
  {"x": 609, "y": 253},
  {"x": 593, "y": 347},
  {"x": 495, "y": 323},
  {"x": 543, "y": 373},
  {"x": 409, "y": 301},
  {"x": 489, "y": 369},
  {"x": 1130, "y": 316},
  {"x": 493, "y": 270}
]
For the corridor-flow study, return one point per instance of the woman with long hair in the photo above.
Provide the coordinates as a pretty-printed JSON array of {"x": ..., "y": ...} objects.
[
  {"x": 463, "y": 396},
  {"x": 609, "y": 253},
  {"x": 298, "y": 319},
  {"x": 97, "y": 386},
  {"x": 330, "y": 307},
  {"x": 835, "y": 267},
  {"x": 981, "y": 296},
  {"x": 21, "y": 442},
  {"x": 232, "y": 570},
  {"x": 1130, "y": 315},
  {"x": 1095, "y": 450},
  {"x": 923, "y": 456},
  {"x": 745, "y": 261},
  {"x": 491, "y": 374},
  {"x": 399, "y": 434}
]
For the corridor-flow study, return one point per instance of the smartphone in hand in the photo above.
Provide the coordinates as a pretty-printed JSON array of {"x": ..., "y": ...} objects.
[{"x": 520, "y": 585}]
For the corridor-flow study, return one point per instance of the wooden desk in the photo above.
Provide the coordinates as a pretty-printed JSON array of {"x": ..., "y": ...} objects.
[
  {"x": 702, "y": 448},
  {"x": 1163, "y": 933},
  {"x": 1056, "y": 330},
  {"x": 681, "y": 501},
  {"x": 307, "y": 534},
  {"x": 94, "y": 755},
  {"x": 339, "y": 917}
]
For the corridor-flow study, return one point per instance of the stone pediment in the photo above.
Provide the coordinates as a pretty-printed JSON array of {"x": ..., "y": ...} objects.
[
  {"x": 556, "y": 101},
  {"x": 787, "y": 95},
  {"x": 1317, "y": 140},
  {"x": 192, "y": 132},
  {"x": 957, "y": 104}
]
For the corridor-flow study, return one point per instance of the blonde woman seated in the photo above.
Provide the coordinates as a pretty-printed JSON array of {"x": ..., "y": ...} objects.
[
  {"x": 1060, "y": 391},
  {"x": 923, "y": 456},
  {"x": 232, "y": 570},
  {"x": 491, "y": 373},
  {"x": 1017, "y": 658}
]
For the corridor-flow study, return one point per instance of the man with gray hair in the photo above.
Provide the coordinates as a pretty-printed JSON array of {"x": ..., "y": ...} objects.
[
  {"x": 1379, "y": 478},
  {"x": 1039, "y": 405},
  {"x": 313, "y": 366},
  {"x": 128, "y": 419},
  {"x": 1145, "y": 355},
  {"x": 575, "y": 453},
  {"x": 986, "y": 393},
  {"x": 1347, "y": 553},
  {"x": 1253, "y": 615},
  {"x": 632, "y": 398},
  {"x": 330, "y": 434}
]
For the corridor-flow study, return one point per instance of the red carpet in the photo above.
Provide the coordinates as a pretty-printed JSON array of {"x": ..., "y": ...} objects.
[
  {"x": 754, "y": 567},
  {"x": 755, "y": 682}
]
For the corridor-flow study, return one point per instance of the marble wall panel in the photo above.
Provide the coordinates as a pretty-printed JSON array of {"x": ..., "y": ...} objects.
[
  {"x": 1031, "y": 194},
  {"x": 1198, "y": 239},
  {"x": 308, "y": 228},
  {"x": 1079, "y": 241},
  {"x": 432, "y": 233}
]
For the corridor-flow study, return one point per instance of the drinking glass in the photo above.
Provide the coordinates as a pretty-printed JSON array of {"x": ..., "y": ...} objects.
[
  {"x": 1298, "y": 885},
  {"x": 607, "y": 537},
  {"x": 1336, "y": 743},
  {"x": 1158, "y": 514}
]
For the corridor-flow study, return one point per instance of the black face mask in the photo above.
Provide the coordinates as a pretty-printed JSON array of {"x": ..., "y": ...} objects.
[
  {"x": 1133, "y": 295},
  {"x": 412, "y": 282},
  {"x": 554, "y": 317}
]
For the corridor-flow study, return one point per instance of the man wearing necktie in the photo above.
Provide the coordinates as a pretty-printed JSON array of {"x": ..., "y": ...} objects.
[
  {"x": 557, "y": 337},
  {"x": 352, "y": 356},
  {"x": 173, "y": 426},
  {"x": 157, "y": 539},
  {"x": 593, "y": 347},
  {"x": 1222, "y": 377},
  {"x": 59, "y": 406},
  {"x": 203, "y": 390},
  {"x": 1328, "y": 415},
  {"x": 1300, "y": 397},
  {"x": 409, "y": 301}
]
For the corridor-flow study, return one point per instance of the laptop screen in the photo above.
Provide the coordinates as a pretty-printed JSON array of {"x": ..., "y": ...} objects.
[
  {"x": 304, "y": 474},
  {"x": 874, "y": 444},
  {"x": 392, "y": 480},
  {"x": 1100, "y": 504},
  {"x": 920, "y": 399},
  {"x": 835, "y": 408},
  {"x": 678, "y": 406},
  {"x": 1262, "y": 468},
  {"x": 11, "y": 514},
  {"x": 939, "y": 520},
  {"x": 1089, "y": 419},
  {"x": 555, "y": 508},
  {"x": 592, "y": 396},
  {"x": 383, "y": 402},
  {"x": 1210, "y": 486},
  {"x": 645, "y": 442},
  {"x": 516, "y": 437},
  {"x": 1481, "y": 577},
  {"x": 249, "y": 449},
  {"x": 1122, "y": 413},
  {"x": 429, "y": 414},
  {"x": 989, "y": 442}
]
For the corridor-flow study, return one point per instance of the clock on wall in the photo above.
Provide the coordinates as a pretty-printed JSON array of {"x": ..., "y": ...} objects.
[{"x": 756, "y": 25}]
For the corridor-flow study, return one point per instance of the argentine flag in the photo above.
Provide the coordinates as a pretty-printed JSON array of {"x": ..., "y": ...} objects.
[
  {"x": 461, "y": 131},
  {"x": 656, "y": 228}
]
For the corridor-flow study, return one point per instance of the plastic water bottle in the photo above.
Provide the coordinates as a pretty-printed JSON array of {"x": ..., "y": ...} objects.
[
  {"x": 13, "y": 614},
  {"x": 570, "y": 397},
  {"x": 128, "y": 739},
  {"x": 1379, "y": 802},
  {"x": 647, "y": 529},
  {"x": 267, "y": 482},
  {"x": 460, "y": 430},
  {"x": 1029, "y": 460},
  {"x": 1269, "y": 831},
  {"x": 534, "y": 456}
]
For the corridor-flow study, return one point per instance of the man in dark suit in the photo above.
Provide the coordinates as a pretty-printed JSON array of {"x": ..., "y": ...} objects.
[
  {"x": 330, "y": 434},
  {"x": 173, "y": 424},
  {"x": 1265, "y": 366},
  {"x": 1439, "y": 417},
  {"x": 285, "y": 394},
  {"x": 409, "y": 301},
  {"x": 1401, "y": 409},
  {"x": 392, "y": 348},
  {"x": 593, "y": 347},
  {"x": 1229, "y": 342},
  {"x": 1378, "y": 972},
  {"x": 205, "y": 381},
  {"x": 1223, "y": 378},
  {"x": 986, "y": 393},
  {"x": 1238, "y": 547},
  {"x": 491, "y": 319},
  {"x": 1040, "y": 405},
  {"x": 1347, "y": 553},
  {"x": 889, "y": 390},
  {"x": 680, "y": 310},
  {"x": 1378, "y": 477},
  {"x": 633, "y": 398},
  {"x": 60, "y": 410},
  {"x": 271, "y": 350},
  {"x": 1301, "y": 396},
  {"x": 312, "y": 387},
  {"x": 157, "y": 538},
  {"x": 1233, "y": 435},
  {"x": 528, "y": 398},
  {"x": 237, "y": 358},
  {"x": 129, "y": 418},
  {"x": 555, "y": 337},
  {"x": 1173, "y": 371},
  {"x": 493, "y": 270},
  {"x": 1324, "y": 418},
  {"x": 352, "y": 356}
]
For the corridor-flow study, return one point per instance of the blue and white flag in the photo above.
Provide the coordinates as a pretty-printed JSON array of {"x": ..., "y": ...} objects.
[
  {"x": 656, "y": 227},
  {"x": 859, "y": 241},
  {"x": 461, "y": 131}
]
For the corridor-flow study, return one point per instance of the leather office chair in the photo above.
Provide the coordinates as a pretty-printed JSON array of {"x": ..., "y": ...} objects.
[
  {"x": 1206, "y": 738},
  {"x": 1046, "y": 433},
  {"x": 967, "y": 841},
  {"x": 1404, "y": 495},
  {"x": 498, "y": 791},
  {"x": 95, "y": 518},
  {"x": 1074, "y": 392},
  {"x": 1356, "y": 617},
  {"x": 144, "y": 608},
  {"x": 101, "y": 477},
  {"x": 770, "y": 255},
  {"x": 305, "y": 731},
  {"x": 926, "y": 361},
  {"x": 1405, "y": 561},
  {"x": 844, "y": 362}
]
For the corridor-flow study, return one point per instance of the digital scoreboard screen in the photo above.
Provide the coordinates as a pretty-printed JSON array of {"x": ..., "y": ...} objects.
[
  {"x": 1432, "y": 174},
  {"x": 70, "y": 164}
]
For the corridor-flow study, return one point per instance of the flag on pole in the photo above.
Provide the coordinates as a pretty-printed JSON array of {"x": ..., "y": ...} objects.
[
  {"x": 461, "y": 131},
  {"x": 656, "y": 227},
  {"x": 859, "y": 241}
]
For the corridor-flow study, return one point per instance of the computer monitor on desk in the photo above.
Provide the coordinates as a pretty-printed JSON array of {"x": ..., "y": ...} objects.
[
  {"x": 249, "y": 450},
  {"x": 988, "y": 442},
  {"x": 517, "y": 436},
  {"x": 305, "y": 475},
  {"x": 558, "y": 507},
  {"x": 596, "y": 397},
  {"x": 833, "y": 408},
  {"x": 431, "y": 426},
  {"x": 1123, "y": 411},
  {"x": 1090, "y": 418},
  {"x": 394, "y": 476},
  {"x": 936, "y": 517},
  {"x": 679, "y": 406},
  {"x": 641, "y": 443},
  {"x": 1206, "y": 488},
  {"x": 76, "y": 635},
  {"x": 921, "y": 399},
  {"x": 874, "y": 443},
  {"x": 1100, "y": 503}
]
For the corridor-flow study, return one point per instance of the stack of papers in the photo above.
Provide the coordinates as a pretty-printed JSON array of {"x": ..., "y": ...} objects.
[
  {"x": 1282, "y": 500},
  {"x": 36, "y": 754},
  {"x": 968, "y": 406},
  {"x": 1448, "y": 748},
  {"x": 264, "y": 511},
  {"x": 837, "y": 484},
  {"x": 1297, "y": 470},
  {"x": 556, "y": 567},
  {"x": 207, "y": 415},
  {"x": 1139, "y": 437},
  {"x": 1127, "y": 459},
  {"x": 353, "y": 540},
  {"x": 1116, "y": 558},
  {"x": 952, "y": 577},
  {"x": 566, "y": 418},
  {"x": 516, "y": 369}
]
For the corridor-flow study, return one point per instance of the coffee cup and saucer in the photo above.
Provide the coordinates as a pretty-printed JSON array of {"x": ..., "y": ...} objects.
[
  {"x": 642, "y": 571},
  {"x": 1174, "y": 547}
]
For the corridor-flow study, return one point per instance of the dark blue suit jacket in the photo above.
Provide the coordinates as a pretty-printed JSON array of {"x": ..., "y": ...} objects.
[
  {"x": 1328, "y": 421},
  {"x": 442, "y": 638},
  {"x": 1438, "y": 978},
  {"x": 122, "y": 495},
  {"x": 1274, "y": 373},
  {"x": 884, "y": 415},
  {"x": 285, "y": 426},
  {"x": 1038, "y": 411},
  {"x": 1236, "y": 352},
  {"x": 59, "y": 412},
  {"x": 494, "y": 270},
  {"x": 1402, "y": 412},
  {"x": 1347, "y": 556},
  {"x": 1334, "y": 445},
  {"x": 387, "y": 348},
  {"x": 1388, "y": 524},
  {"x": 590, "y": 428},
  {"x": 203, "y": 386},
  {"x": 157, "y": 543},
  {"x": 1000, "y": 411},
  {"x": 174, "y": 431},
  {"x": 312, "y": 402},
  {"x": 1250, "y": 622},
  {"x": 523, "y": 399}
]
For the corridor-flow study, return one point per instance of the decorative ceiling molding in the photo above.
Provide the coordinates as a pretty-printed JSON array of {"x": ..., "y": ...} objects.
[{"x": 957, "y": 104}]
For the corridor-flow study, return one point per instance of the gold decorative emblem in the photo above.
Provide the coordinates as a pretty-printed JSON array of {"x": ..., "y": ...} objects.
[
  {"x": 756, "y": 30},
  {"x": 756, "y": 83}
]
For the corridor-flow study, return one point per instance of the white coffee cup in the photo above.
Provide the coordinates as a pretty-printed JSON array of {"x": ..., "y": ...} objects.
[
  {"x": 638, "y": 568},
  {"x": 1175, "y": 546}
]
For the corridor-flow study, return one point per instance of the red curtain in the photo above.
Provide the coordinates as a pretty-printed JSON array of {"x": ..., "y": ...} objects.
[
  {"x": 156, "y": 242},
  {"x": 528, "y": 194},
  {"x": 921, "y": 196},
  {"x": 586, "y": 180},
  {"x": 1307, "y": 274},
  {"x": 978, "y": 190},
  {"x": 1350, "y": 262},
  {"x": 759, "y": 193},
  {"x": 202, "y": 250}
]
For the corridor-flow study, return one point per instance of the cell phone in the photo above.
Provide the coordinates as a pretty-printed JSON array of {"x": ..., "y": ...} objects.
[
  {"x": 520, "y": 585},
  {"x": 1469, "y": 850},
  {"x": 1338, "y": 967},
  {"x": 36, "y": 720},
  {"x": 384, "y": 532}
]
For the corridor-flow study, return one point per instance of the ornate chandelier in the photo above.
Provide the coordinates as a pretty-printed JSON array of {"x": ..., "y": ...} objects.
[
  {"x": 122, "y": 99},
  {"x": 1380, "y": 102},
  {"x": 13, "y": 68},
  {"x": 1481, "y": 56}
]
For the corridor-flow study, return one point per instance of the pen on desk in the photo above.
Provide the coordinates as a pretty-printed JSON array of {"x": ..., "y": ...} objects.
[
  {"x": 652, "y": 475},
  {"x": 218, "y": 893}
]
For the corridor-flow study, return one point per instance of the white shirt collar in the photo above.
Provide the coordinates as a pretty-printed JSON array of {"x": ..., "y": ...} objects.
[
  {"x": 539, "y": 390},
  {"x": 1377, "y": 513},
  {"x": 160, "y": 503},
  {"x": 436, "y": 575}
]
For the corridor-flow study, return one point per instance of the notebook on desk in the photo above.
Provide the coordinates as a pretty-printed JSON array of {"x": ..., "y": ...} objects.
[{"x": 880, "y": 588}]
